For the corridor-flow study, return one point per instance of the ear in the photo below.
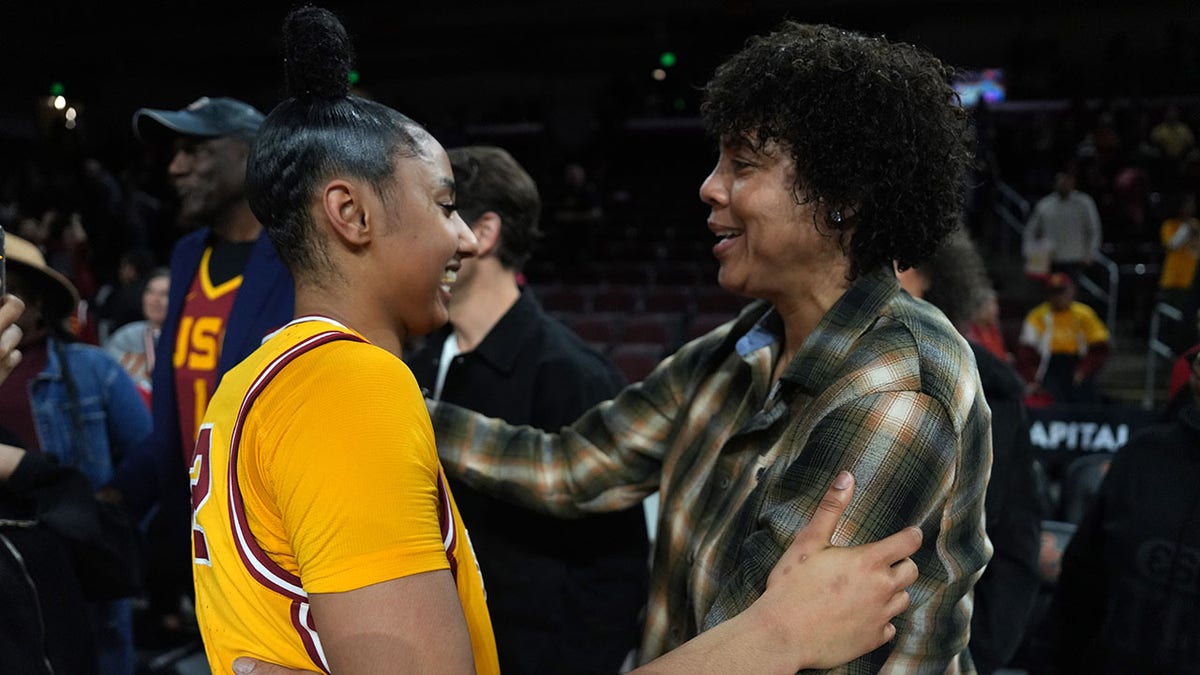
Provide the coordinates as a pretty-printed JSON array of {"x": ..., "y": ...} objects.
[
  {"x": 343, "y": 204},
  {"x": 487, "y": 232}
]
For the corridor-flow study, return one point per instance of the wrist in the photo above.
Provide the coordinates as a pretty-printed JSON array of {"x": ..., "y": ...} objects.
[{"x": 776, "y": 641}]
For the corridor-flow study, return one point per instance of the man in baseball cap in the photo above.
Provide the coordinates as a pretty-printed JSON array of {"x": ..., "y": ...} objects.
[{"x": 228, "y": 290}]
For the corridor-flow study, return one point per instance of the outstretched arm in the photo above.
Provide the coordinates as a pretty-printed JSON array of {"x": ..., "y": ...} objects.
[{"x": 809, "y": 616}]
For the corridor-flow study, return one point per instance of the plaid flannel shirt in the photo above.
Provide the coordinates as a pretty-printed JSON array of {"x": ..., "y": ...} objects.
[{"x": 884, "y": 387}]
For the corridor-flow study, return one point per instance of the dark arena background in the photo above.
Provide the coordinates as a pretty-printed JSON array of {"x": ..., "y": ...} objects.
[{"x": 600, "y": 102}]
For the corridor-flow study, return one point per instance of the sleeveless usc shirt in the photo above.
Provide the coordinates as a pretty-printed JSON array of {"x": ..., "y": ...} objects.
[{"x": 315, "y": 471}]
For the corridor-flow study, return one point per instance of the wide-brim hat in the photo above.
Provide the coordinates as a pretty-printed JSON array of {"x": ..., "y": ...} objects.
[{"x": 59, "y": 297}]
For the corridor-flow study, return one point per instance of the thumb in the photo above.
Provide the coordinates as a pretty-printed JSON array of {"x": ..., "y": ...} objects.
[{"x": 819, "y": 531}]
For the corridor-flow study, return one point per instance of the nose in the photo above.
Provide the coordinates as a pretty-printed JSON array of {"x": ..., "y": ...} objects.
[
  {"x": 468, "y": 244},
  {"x": 713, "y": 190},
  {"x": 181, "y": 164}
]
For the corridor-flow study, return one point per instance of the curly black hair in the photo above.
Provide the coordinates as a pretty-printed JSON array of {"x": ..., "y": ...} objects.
[{"x": 877, "y": 133}]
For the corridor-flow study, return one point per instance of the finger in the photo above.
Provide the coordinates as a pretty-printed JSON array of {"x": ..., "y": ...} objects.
[
  {"x": 899, "y": 546},
  {"x": 10, "y": 337},
  {"x": 889, "y": 632},
  {"x": 904, "y": 573},
  {"x": 898, "y": 603},
  {"x": 819, "y": 530},
  {"x": 11, "y": 360},
  {"x": 10, "y": 308}
]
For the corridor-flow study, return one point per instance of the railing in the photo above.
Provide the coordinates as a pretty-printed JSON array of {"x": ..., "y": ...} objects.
[
  {"x": 1158, "y": 348},
  {"x": 1108, "y": 297}
]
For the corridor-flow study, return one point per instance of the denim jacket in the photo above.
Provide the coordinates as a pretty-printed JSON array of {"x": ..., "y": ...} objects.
[{"x": 115, "y": 421}]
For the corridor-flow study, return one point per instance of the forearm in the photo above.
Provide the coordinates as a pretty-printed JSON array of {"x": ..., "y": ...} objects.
[
  {"x": 747, "y": 643},
  {"x": 587, "y": 468}
]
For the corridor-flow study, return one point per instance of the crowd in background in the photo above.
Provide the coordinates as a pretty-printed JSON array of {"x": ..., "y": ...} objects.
[{"x": 627, "y": 237}]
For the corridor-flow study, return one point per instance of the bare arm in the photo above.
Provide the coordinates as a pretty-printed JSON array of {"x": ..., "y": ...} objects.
[
  {"x": 415, "y": 621},
  {"x": 809, "y": 617}
]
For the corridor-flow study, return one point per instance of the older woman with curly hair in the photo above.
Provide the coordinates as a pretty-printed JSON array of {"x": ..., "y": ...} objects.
[{"x": 839, "y": 154}]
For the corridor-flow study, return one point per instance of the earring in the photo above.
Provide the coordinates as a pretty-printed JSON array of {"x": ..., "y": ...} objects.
[{"x": 836, "y": 217}]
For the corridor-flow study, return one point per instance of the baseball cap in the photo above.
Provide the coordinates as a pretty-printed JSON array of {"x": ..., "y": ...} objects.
[
  {"x": 206, "y": 117},
  {"x": 1059, "y": 282}
]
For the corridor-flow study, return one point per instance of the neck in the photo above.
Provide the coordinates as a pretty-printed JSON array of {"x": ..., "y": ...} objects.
[
  {"x": 238, "y": 224},
  {"x": 801, "y": 312},
  {"x": 477, "y": 309},
  {"x": 372, "y": 325}
]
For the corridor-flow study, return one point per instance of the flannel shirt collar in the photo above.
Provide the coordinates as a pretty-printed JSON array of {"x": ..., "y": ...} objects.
[{"x": 823, "y": 353}]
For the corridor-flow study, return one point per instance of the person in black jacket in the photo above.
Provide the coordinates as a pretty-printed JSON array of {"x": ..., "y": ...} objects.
[
  {"x": 1128, "y": 598},
  {"x": 564, "y": 595},
  {"x": 955, "y": 280}
]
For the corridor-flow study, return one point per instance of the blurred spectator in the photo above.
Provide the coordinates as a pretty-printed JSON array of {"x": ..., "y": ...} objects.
[
  {"x": 1180, "y": 237},
  {"x": 75, "y": 403},
  {"x": 983, "y": 327},
  {"x": 1127, "y": 594},
  {"x": 578, "y": 198},
  {"x": 1066, "y": 225},
  {"x": 1173, "y": 136},
  {"x": 955, "y": 280},
  {"x": 120, "y": 303},
  {"x": 133, "y": 345},
  {"x": 1062, "y": 346},
  {"x": 228, "y": 289},
  {"x": 501, "y": 355}
]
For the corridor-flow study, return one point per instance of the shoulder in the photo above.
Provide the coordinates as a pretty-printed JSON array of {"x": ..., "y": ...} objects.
[
  {"x": 352, "y": 364},
  {"x": 126, "y": 336},
  {"x": 559, "y": 347},
  {"x": 191, "y": 242},
  {"x": 78, "y": 351},
  {"x": 1084, "y": 311},
  {"x": 913, "y": 347}
]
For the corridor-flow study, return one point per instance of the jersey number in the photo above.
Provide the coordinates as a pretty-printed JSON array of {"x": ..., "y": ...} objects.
[{"x": 201, "y": 479}]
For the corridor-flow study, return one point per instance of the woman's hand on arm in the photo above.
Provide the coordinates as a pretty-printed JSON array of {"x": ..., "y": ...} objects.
[{"x": 823, "y": 606}]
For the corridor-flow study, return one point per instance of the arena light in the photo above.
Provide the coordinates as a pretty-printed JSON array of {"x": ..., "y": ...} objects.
[
  {"x": 667, "y": 59},
  {"x": 71, "y": 114},
  {"x": 353, "y": 77},
  {"x": 658, "y": 74},
  {"x": 57, "y": 89}
]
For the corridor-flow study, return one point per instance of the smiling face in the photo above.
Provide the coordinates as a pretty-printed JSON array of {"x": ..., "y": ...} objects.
[
  {"x": 768, "y": 243},
  {"x": 422, "y": 241}
]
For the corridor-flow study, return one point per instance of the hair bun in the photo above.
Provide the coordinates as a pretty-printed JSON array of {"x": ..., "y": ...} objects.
[{"x": 317, "y": 54}]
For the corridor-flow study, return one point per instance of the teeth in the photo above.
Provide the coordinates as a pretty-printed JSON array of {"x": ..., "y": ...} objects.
[
  {"x": 449, "y": 277},
  {"x": 727, "y": 236}
]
